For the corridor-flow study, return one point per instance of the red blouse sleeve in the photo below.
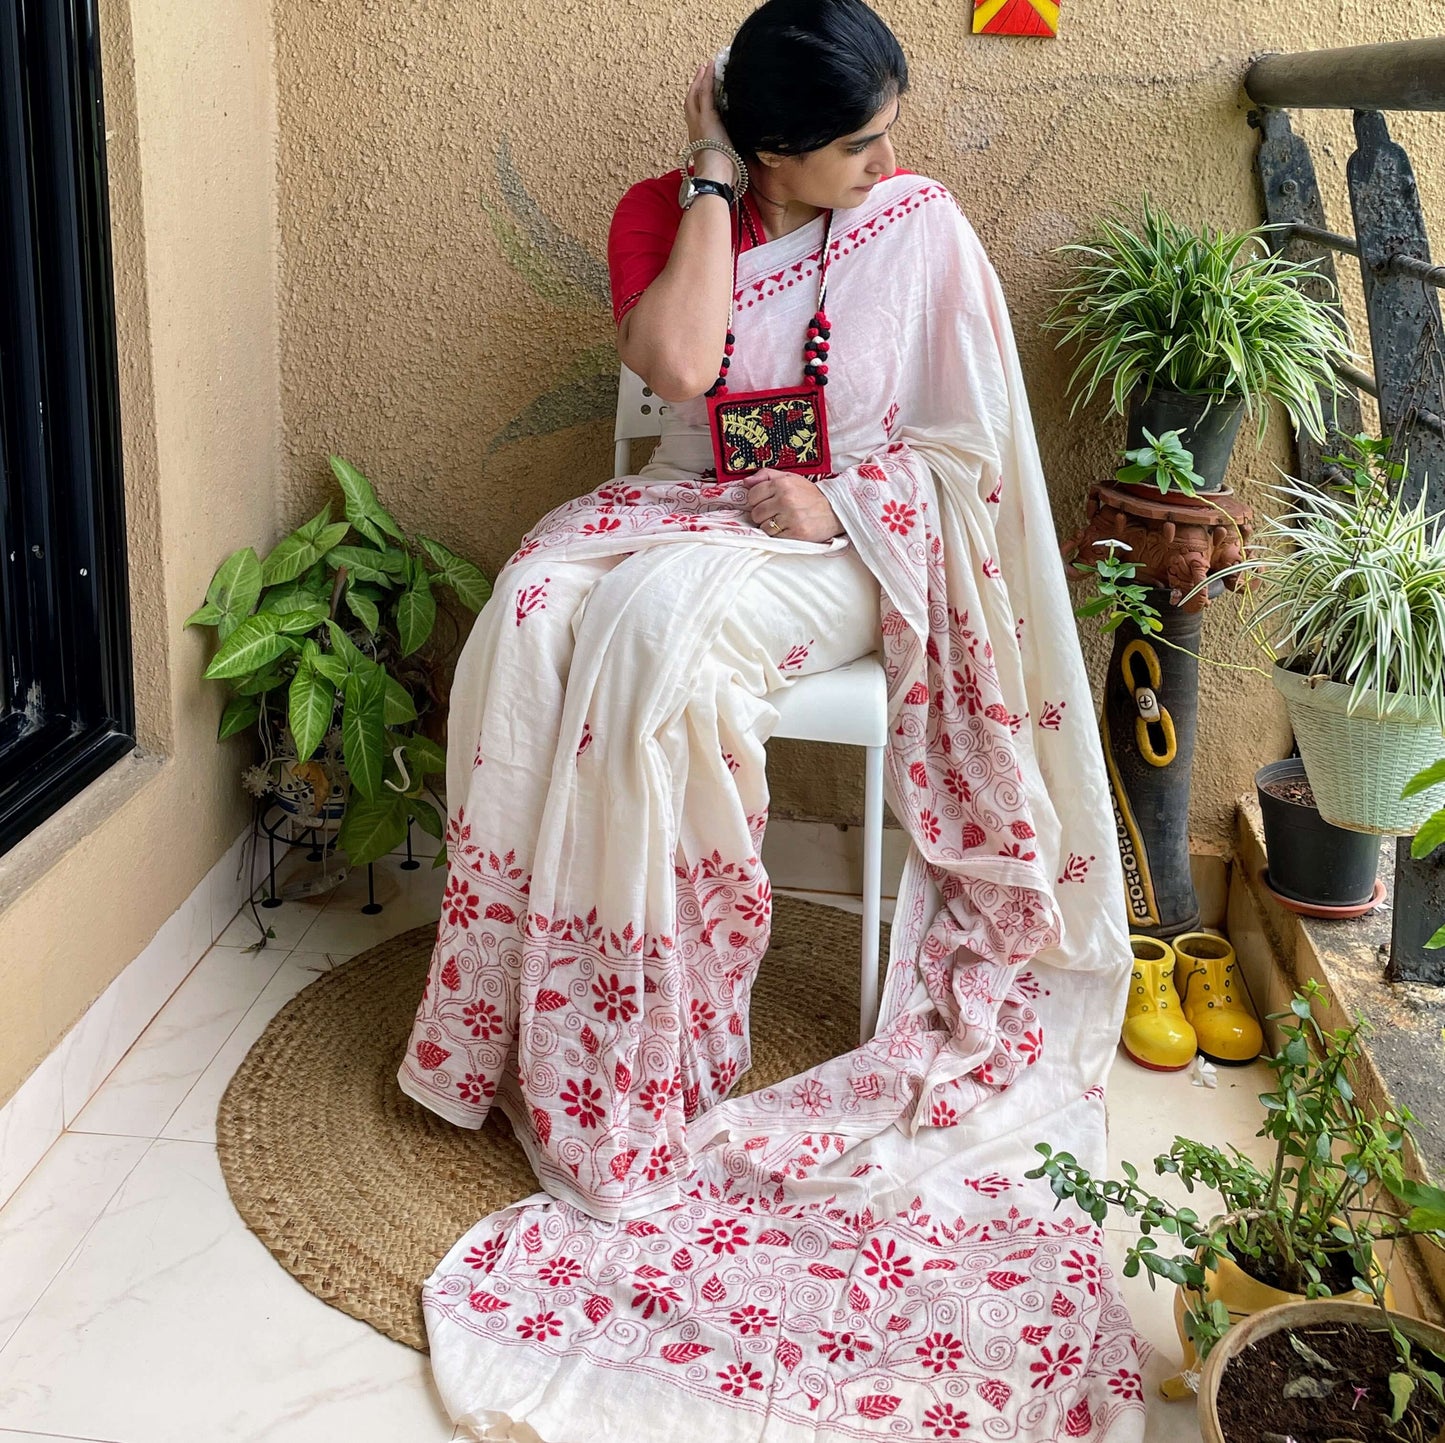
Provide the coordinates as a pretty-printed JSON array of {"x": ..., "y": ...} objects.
[{"x": 644, "y": 227}]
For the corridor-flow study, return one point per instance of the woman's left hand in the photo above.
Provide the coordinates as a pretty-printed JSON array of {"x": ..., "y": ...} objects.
[{"x": 787, "y": 505}]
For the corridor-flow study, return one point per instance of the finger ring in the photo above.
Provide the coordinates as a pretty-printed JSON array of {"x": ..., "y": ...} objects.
[{"x": 771, "y": 525}]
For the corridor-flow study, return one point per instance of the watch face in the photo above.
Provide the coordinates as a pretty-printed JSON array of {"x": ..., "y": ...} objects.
[{"x": 685, "y": 191}]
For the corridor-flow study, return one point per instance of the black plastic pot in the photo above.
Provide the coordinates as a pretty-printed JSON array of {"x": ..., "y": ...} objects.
[
  {"x": 1208, "y": 433},
  {"x": 1311, "y": 861}
]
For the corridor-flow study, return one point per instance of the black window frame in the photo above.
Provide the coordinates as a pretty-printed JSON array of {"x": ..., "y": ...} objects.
[{"x": 64, "y": 597}]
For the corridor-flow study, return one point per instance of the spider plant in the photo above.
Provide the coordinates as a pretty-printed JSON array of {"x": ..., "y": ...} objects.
[
  {"x": 1205, "y": 313},
  {"x": 1351, "y": 584}
]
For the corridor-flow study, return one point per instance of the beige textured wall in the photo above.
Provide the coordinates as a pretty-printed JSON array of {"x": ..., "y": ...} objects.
[
  {"x": 191, "y": 120},
  {"x": 447, "y": 175}
]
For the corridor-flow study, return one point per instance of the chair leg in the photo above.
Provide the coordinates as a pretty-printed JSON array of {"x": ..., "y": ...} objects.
[{"x": 872, "y": 891}]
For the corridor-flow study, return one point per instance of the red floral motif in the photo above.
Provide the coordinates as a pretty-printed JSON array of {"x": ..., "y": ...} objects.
[
  {"x": 484, "y": 1256},
  {"x": 846, "y": 1347},
  {"x": 476, "y": 1088},
  {"x": 940, "y": 1352},
  {"x": 1051, "y": 1366},
  {"x": 1076, "y": 868},
  {"x": 700, "y": 1015},
  {"x": 614, "y": 998},
  {"x": 723, "y": 1236},
  {"x": 751, "y": 1319},
  {"x": 943, "y": 1420},
  {"x": 659, "y": 1162},
  {"x": 650, "y": 1296},
  {"x": 1126, "y": 1384},
  {"x": 811, "y": 1097},
  {"x": 1051, "y": 715},
  {"x": 560, "y": 1272},
  {"x": 582, "y": 1099},
  {"x": 459, "y": 904},
  {"x": 541, "y": 1327},
  {"x": 482, "y": 1019},
  {"x": 796, "y": 656},
  {"x": 531, "y": 598},
  {"x": 929, "y": 824},
  {"x": 898, "y": 517},
  {"x": 882, "y": 1260},
  {"x": 655, "y": 1094},
  {"x": 1081, "y": 1269},
  {"x": 737, "y": 1378}
]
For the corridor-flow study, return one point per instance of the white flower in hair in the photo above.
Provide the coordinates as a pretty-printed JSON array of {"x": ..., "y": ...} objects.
[{"x": 719, "y": 65}]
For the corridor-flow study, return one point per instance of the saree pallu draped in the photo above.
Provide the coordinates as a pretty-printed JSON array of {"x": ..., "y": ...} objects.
[{"x": 855, "y": 1252}]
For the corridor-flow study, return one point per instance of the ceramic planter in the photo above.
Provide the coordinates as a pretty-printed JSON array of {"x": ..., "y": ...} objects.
[
  {"x": 1359, "y": 761},
  {"x": 1310, "y": 861},
  {"x": 1208, "y": 433},
  {"x": 1245, "y": 1297},
  {"x": 1296, "y": 1315}
]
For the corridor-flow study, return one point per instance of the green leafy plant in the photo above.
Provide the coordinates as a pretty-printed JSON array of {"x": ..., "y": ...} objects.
[
  {"x": 1432, "y": 832},
  {"x": 1117, "y": 597},
  {"x": 1312, "y": 1222},
  {"x": 1349, "y": 582},
  {"x": 1205, "y": 313},
  {"x": 324, "y": 646},
  {"x": 1163, "y": 461}
]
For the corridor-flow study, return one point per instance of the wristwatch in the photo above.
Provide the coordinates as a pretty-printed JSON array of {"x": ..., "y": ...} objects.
[{"x": 692, "y": 187}]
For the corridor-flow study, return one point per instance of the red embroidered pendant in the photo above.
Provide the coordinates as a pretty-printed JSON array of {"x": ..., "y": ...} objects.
[{"x": 785, "y": 429}]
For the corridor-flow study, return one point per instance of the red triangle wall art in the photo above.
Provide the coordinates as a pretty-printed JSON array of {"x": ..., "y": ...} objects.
[{"x": 1016, "y": 17}]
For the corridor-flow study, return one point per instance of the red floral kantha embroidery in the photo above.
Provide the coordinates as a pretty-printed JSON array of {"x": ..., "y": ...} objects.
[{"x": 853, "y": 1253}]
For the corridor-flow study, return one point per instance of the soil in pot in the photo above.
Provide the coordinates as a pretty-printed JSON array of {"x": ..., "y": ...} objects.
[
  {"x": 1253, "y": 1408},
  {"x": 1311, "y": 861}
]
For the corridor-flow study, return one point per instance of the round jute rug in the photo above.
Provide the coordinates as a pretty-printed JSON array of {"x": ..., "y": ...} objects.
[{"x": 358, "y": 1191}]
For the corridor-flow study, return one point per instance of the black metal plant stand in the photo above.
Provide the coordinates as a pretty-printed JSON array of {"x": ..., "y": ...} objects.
[{"x": 275, "y": 817}]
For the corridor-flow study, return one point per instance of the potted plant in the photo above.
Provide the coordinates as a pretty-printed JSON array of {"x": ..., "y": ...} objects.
[
  {"x": 1308, "y": 1226},
  {"x": 1314, "y": 868},
  {"x": 1349, "y": 599},
  {"x": 1187, "y": 330},
  {"x": 328, "y": 649}
]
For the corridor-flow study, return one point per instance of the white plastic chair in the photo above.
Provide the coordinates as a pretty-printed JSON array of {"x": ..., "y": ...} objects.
[{"x": 848, "y": 705}]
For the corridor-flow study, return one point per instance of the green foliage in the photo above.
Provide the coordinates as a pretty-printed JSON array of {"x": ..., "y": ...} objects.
[
  {"x": 1164, "y": 461},
  {"x": 1204, "y": 313},
  {"x": 1350, "y": 582},
  {"x": 1432, "y": 834},
  {"x": 1333, "y": 1194},
  {"x": 1117, "y": 596},
  {"x": 332, "y": 635}
]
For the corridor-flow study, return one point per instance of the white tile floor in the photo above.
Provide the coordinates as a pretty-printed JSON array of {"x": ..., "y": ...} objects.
[{"x": 135, "y": 1306}]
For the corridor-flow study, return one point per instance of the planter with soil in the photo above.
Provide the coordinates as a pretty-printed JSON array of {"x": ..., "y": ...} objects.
[
  {"x": 1319, "y": 1372},
  {"x": 1313, "y": 864}
]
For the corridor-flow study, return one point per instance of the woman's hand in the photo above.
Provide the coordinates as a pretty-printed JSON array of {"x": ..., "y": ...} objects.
[
  {"x": 704, "y": 123},
  {"x": 785, "y": 504}
]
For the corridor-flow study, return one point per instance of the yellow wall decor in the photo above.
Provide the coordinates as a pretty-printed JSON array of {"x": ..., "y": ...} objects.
[{"x": 1016, "y": 17}]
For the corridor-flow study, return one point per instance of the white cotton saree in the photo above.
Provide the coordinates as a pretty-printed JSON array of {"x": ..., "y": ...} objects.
[{"x": 854, "y": 1253}]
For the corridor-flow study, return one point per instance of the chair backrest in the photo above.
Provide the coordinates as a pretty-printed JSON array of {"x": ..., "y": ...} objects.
[{"x": 639, "y": 413}]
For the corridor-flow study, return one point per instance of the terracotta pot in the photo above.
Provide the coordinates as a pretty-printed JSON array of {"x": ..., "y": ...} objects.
[
  {"x": 1296, "y": 1315},
  {"x": 1245, "y": 1297}
]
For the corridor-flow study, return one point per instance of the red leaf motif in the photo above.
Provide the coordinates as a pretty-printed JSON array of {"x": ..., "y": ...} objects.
[
  {"x": 1061, "y": 1307},
  {"x": 789, "y": 1354},
  {"x": 620, "y": 1164},
  {"x": 487, "y": 1302},
  {"x": 646, "y": 1270},
  {"x": 500, "y": 912},
  {"x": 451, "y": 975},
  {"x": 995, "y": 1391},
  {"x": 682, "y": 1260},
  {"x": 597, "y": 1308},
  {"x": 588, "y": 1039},
  {"x": 1077, "y": 1421},
  {"x": 826, "y": 1271},
  {"x": 919, "y": 773},
  {"x": 1021, "y": 830},
  {"x": 532, "y": 1239},
  {"x": 917, "y": 694},
  {"x": 775, "y": 1238},
  {"x": 683, "y": 1352},
  {"x": 945, "y": 1265},
  {"x": 430, "y": 1055},
  {"x": 859, "y": 1299},
  {"x": 713, "y": 1290},
  {"x": 1004, "y": 1281},
  {"x": 973, "y": 836},
  {"x": 1034, "y": 1335},
  {"x": 641, "y": 1228},
  {"x": 549, "y": 1001},
  {"x": 621, "y": 1077},
  {"x": 897, "y": 1323},
  {"x": 878, "y": 1405},
  {"x": 738, "y": 939},
  {"x": 869, "y": 472},
  {"x": 542, "y": 1125}
]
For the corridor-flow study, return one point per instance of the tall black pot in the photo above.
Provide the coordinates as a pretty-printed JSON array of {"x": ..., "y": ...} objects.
[
  {"x": 1209, "y": 431},
  {"x": 1311, "y": 861}
]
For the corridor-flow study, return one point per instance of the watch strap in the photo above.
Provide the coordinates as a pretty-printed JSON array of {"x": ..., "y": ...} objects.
[{"x": 697, "y": 186}]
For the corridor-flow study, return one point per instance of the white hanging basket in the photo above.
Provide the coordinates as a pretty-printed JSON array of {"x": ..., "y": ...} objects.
[{"x": 1358, "y": 761}]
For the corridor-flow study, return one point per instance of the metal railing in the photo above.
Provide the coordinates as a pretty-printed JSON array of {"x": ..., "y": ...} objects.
[{"x": 1400, "y": 283}]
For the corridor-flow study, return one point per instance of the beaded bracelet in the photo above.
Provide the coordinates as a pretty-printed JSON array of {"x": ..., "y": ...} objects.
[{"x": 685, "y": 156}]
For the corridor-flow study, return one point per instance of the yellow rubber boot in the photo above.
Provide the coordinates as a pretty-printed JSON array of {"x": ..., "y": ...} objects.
[
  {"x": 1215, "y": 1001},
  {"x": 1156, "y": 1033}
]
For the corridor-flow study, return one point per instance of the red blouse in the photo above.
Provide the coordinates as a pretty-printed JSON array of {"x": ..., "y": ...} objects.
[{"x": 644, "y": 227}]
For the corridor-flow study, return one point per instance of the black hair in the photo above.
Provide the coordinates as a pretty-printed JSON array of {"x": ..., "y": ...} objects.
[{"x": 803, "y": 73}]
